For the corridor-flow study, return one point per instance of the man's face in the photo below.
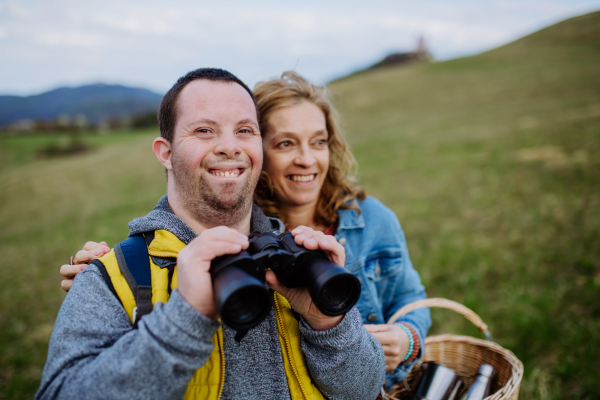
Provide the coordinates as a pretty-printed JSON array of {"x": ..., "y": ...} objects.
[{"x": 216, "y": 152}]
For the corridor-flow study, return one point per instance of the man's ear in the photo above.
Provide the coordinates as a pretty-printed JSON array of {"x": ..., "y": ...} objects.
[{"x": 162, "y": 151}]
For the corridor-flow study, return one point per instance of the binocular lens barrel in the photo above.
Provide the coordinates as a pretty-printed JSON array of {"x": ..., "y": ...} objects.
[
  {"x": 242, "y": 297},
  {"x": 243, "y": 301},
  {"x": 333, "y": 289}
]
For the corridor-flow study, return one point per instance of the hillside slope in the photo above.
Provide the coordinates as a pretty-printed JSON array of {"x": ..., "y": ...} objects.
[{"x": 492, "y": 164}]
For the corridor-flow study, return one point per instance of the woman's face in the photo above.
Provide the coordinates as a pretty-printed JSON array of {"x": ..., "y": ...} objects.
[{"x": 296, "y": 155}]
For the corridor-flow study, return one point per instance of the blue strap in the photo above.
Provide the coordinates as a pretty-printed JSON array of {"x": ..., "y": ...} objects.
[{"x": 135, "y": 252}]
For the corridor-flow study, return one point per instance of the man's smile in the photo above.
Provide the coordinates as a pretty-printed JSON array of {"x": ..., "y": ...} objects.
[{"x": 228, "y": 173}]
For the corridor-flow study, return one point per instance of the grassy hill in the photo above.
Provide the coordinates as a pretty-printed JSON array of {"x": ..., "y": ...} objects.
[{"x": 491, "y": 162}]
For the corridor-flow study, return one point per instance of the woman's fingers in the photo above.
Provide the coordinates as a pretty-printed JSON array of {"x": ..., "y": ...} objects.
[
  {"x": 66, "y": 284},
  {"x": 91, "y": 251},
  {"x": 383, "y": 335},
  {"x": 69, "y": 271},
  {"x": 91, "y": 245},
  {"x": 393, "y": 340},
  {"x": 87, "y": 256}
]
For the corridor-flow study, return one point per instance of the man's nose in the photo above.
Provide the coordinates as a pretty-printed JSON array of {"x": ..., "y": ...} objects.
[
  {"x": 305, "y": 158},
  {"x": 227, "y": 146}
]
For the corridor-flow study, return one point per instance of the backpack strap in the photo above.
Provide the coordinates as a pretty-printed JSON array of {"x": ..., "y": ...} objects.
[
  {"x": 134, "y": 263},
  {"x": 162, "y": 262}
]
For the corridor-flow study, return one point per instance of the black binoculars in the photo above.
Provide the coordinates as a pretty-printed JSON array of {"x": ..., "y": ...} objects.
[{"x": 243, "y": 299}]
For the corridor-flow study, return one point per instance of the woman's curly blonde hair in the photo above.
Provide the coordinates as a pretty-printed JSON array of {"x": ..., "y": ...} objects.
[{"x": 339, "y": 190}]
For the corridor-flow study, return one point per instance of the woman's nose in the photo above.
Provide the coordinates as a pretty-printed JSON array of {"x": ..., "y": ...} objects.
[{"x": 305, "y": 158}]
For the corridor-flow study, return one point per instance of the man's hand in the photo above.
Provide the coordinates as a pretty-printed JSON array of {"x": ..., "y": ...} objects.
[
  {"x": 394, "y": 342},
  {"x": 193, "y": 265},
  {"x": 89, "y": 253},
  {"x": 299, "y": 298}
]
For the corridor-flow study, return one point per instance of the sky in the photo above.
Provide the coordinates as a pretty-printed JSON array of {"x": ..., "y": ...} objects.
[{"x": 148, "y": 43}]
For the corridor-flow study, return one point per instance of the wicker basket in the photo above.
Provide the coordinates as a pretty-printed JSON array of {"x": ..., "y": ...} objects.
[{"x": 464, "y": 354}]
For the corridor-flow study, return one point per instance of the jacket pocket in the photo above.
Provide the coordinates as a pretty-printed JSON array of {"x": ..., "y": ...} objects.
[{"x": 383, "y": 265}]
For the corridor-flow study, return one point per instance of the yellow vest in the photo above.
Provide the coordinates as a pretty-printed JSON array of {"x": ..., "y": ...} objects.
[{"x": 207, "y": 382}]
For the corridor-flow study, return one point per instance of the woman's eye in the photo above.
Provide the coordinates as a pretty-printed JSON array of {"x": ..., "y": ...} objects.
[
  {"x": 321, "y": 142},
  {"x": 284, "y": 145},
  {"x": 246, "y": 131}
]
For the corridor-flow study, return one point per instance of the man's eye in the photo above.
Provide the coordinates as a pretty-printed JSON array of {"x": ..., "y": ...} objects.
[
  {"x": 246, "y": 131},
  {"x": 285, "y": 144}
]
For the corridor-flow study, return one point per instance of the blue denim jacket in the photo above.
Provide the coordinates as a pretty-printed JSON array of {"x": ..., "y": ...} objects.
[{"x": 376, "y": 253}]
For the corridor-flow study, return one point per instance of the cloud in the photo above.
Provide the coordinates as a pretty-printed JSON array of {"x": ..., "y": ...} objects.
[{"x": 151, "y": 43}]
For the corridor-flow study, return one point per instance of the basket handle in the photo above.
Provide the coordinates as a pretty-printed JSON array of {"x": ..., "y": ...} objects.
[{"x": 444, "y": 303}]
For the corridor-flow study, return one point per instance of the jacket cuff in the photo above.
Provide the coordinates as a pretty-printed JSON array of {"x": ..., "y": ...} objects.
[
  {"x": 187, "y": 319},
  {"x": 340, "y": 336}
]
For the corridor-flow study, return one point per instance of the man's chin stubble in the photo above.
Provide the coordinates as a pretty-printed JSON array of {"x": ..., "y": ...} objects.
[
  {"x": 213, "y": 210},
  {"x": 205, "y": 204}
]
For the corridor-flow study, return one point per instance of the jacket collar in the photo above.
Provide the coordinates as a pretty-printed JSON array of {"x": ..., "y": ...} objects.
[
  {"x": 263, "y": 224},
  {"x": 162, "y": 217},
  {"x": 350, "y": 219}
]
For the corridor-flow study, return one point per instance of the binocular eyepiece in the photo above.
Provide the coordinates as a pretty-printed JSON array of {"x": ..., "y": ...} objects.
[{"x": 243, "y": 299}]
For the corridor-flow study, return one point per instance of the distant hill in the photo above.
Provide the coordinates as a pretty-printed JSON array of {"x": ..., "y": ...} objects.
[{"x": 96, "y": 102}]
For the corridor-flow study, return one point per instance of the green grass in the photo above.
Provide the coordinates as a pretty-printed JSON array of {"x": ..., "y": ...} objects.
[
  {"x": 491, "y": 162},
  {"x": 21, "y": 149},
  {"x": 48, "y": 208}
]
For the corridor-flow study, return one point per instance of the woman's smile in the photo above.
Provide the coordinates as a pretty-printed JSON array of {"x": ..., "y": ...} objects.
[{"x": 302, "y": 178}]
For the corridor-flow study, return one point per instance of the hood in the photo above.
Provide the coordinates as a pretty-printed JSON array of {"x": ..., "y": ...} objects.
[{"x": 162, "y": 217}]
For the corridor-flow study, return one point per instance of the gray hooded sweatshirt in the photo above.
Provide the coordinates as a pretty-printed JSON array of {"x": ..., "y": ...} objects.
[{"x": 95, "y": 354}]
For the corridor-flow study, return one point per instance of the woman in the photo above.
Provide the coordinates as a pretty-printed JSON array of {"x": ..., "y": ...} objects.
[{"x": 305, "y": 181}]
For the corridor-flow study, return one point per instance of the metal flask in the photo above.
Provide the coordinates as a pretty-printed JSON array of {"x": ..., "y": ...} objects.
[
  {"x": 437, "y": 383},
  {"x": 482, "y": 387}
]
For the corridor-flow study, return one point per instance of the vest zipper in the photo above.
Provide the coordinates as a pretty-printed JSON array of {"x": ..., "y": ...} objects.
[
  {"x": 288, "y": 349},
  {"x": 222, "y": 382}
]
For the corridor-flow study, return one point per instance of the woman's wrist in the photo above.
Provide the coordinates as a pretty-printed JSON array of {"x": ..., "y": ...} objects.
[{"x": 414, "y": 343}]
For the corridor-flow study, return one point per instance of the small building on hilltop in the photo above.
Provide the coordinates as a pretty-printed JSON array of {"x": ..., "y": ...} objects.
[{"x": 420, "y": 55}]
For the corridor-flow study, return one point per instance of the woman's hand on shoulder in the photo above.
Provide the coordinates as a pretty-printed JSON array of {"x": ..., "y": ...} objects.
[{"x": 90, "y": 252}]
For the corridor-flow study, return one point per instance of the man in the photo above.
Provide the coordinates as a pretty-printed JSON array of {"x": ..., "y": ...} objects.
[{"x": 211, "y": 147}]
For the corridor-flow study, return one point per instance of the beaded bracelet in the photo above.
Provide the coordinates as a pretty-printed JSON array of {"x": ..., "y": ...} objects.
[
  {"x": 410, "y": 339},
  {"x": 417, "y": 346}
]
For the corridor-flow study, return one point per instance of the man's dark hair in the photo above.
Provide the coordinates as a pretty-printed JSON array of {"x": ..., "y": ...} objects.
[{"x": 167, "y": 112}]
